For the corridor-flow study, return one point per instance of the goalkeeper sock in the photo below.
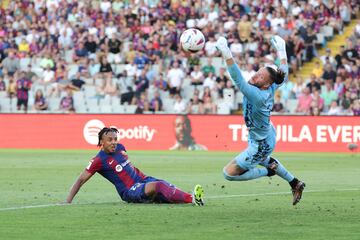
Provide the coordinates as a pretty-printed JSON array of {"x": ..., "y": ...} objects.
[
  {"x": 281, "y": 171},
  {"x": 172, "y": 194},
  {"x": 252, "y": 173}
]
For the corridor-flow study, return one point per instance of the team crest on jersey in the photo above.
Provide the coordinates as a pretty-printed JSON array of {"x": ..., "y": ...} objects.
[{"x": 118, "y": 168}]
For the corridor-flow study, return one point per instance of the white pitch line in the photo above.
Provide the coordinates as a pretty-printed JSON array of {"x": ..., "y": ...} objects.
[
  {"x": 208, "y": 197},
  {"x": 280, "y": 193}
]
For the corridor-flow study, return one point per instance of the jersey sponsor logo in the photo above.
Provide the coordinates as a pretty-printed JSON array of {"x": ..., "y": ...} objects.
[{"x": 93, "y": 127}]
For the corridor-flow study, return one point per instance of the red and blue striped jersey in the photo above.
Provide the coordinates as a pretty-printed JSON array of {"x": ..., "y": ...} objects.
[{"x": 116, "y": 168}]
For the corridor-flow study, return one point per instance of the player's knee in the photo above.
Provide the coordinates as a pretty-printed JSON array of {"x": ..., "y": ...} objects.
[
  {"x": 151, "y": 188},
  {"x": 227, "y": 176}
]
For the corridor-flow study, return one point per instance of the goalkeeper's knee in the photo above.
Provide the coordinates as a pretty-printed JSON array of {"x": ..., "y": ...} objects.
[{"x": 227, "y": 176}]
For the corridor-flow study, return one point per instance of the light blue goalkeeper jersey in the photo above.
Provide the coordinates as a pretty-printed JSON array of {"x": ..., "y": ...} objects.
[{"x": 257, "y": 103}]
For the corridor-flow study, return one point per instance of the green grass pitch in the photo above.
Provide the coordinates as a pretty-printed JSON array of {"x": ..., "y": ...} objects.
[{"x": 258, "y": 209}]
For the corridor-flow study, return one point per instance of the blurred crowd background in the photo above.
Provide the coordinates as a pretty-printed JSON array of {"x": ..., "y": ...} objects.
[{"x": 73, "y": 56}]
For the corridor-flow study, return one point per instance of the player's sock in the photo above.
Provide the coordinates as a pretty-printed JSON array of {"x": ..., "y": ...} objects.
[
  {"x": 248, "y": 175},
  {"x": 172, "y": 194},
  {"x": 293, "y": 183},
  {"x": 281, "y": 171}
]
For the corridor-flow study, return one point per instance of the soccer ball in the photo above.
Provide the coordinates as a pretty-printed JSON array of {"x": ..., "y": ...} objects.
[{"x": 192, "y": 40}]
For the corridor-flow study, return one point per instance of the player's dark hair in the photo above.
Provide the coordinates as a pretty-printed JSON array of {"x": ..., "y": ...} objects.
[
  {"x": 277, "y": 76},
  {"x": 105, "y": 131}
]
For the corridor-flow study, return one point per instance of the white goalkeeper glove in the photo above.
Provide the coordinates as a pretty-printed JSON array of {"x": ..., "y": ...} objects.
[{"x": 279, "y": 44}]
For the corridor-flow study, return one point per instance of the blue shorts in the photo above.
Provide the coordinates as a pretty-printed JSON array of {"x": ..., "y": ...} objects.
[
  {"x": 256, "y": 152},
  {"x": 136, "y": 194}
]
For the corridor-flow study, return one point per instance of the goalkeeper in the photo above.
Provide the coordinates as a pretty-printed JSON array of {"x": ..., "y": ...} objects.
[{"x": 257, "y": 104}]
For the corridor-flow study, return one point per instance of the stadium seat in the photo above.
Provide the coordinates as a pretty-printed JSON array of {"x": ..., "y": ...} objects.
[
  {"x": 92, "y": 102},
  {"x": 118, "y": 108},
  {"x": 90, "y": 91},
  {"x": 106, "y": 108},
  {"x": 130, "y": 109},
  {"x": 93, "y": 109},
  {"x": 168, "y": 105}
]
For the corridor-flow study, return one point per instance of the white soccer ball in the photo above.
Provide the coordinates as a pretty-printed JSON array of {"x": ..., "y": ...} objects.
[{"x": 192, "y": 40}]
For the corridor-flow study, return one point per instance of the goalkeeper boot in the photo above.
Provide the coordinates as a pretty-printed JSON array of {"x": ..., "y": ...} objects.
[{"x": 297, "y": 191}]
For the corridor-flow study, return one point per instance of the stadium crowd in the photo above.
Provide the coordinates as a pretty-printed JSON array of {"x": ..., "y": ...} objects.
[{"x": 123, "y": 56}]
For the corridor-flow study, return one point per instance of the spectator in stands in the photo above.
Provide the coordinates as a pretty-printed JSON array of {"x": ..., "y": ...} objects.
[
  {"x": 314, "y": 84},
  {"x": 127, "y": 96},
  {"x": 304, "y": 102},
  {"x": 346, "y": 101},
  {"x": 195, "y": 105},
  {"x": 208, "y": 68},
  {"x": 228, "y": 94},
  {"x": 356, "y": 108},
  {"x": 209, "y": 105},
  {"x": 160, "y": 83},
  {"x": 140, "y": 61},
  {"x": 286, "y": 91},
  {"x": 67, "y": 102},
  {"x": 309, "y": 40},
  {"x": 23, "y": 86},
  {"x": 76, "y": 83},
  {"x": 317, "y": 71},
  {"x": 175, "y": 77},
  {"x": 142, "y": 104},
  {"x": 179, "y": 105},
  {"x": 210, "y": 50},
  {"x": 49, "y": 76},
  {"x": 328, "y": 58},
  {"x": 317, "y": 100},
  {"x": 156, "y": 103},
  {"x": 105, "y": 70},
  {"x": 339, "y": 86},
  {"x": 329, "y": 73},
  {"x": 197, "y": 76},
  {"x": 141, "y": 83},
  {"x": 91, "y": 44},
  {"x": 236, "y": 48},
  {"x": 244, "y": 29},
  {"x": 40, "y": 103},
  {"x": 114, "y": 45},
  {"x": 210, "y": 82},
  {"x": 11, "y": 64},
  {"x": 328, "y": 94},
  {"x": 350, "y": 53},
  {"x": 334, "y": 109},
  {"x": 81, "y": 53},
  {"x": 11, "y": 88},
  {"x": 2, "y": 84},
  {"x": 278, "y": 106}
]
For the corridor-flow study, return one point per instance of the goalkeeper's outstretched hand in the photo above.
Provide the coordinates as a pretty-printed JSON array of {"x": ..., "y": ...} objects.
[{"x": 279, "y": 45}]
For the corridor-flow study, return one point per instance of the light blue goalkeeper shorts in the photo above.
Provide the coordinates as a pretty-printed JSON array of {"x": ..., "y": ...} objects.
[{"x": 257, "y": 151}]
